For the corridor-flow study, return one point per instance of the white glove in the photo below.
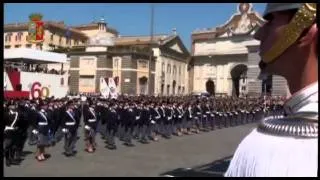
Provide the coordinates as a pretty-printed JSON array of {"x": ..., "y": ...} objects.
[
  {"x": 87, "y": 127},
  {"x": 153, "y": 122},
  {"x": 34, "y": 131},
  {"x": 64, "y": 130}
]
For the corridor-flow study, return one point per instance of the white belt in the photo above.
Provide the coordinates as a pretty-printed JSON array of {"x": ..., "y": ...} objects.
[
  {"x": 137, "y": 117},
  {"x": 204, "y": 115},
  {"x": 9, "y": 128},
  {"x": 198, "y": 113},
  {"x": 42, "y": 123},
  {"x": 190, "y": 116},
  {"x": 208, "y": 112},
  {"x": 92, "y": 120},
  {"x": 179, "y": 116},
  {"x": 70, "y": 123},
  {"x": 169, "y": 118},
  {"x": 157, "y": 117},
  {"x": 211, "y": 115}
]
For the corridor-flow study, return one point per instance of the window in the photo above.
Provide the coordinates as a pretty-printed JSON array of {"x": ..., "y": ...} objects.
[
  {"x": 19, "y": 35},
  {"x": 51, "y": 37},
  {"x": 163, "y": 67},
  {"x": 7, "y": 47},
  {"x": 60, "y": 40},
  {"x": 142, "y": 64},
  {"x": 179, "y": 70},
  {"x": 86, "y": 81},
  {"x": 168, "y": 68},
  {"x": 174, "y": 72},
  {"x": 76, "y": 42},
  {"x": 61, "y": 81},
  {"x": 68, "y": 80},
  {"x": 68, "y": 41},
  {"x": 28, "y": 45},
  {"x": 27, "y": 37},
  {"x": 17, "y": 46},
  {"x": 8, "y": 37}
]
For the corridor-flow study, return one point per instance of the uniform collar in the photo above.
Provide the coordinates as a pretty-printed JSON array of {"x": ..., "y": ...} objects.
[{"x": 307, "y": 95}]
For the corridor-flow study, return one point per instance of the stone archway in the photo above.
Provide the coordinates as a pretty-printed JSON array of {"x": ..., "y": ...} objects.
[
  {"x": 238, "y": 72},
  {"x": 143, "y": 84},
  {"x": 210, "y": 87}
]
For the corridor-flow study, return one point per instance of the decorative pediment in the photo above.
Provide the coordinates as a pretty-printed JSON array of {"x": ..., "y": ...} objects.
[
  {"x": 243, "y": 22},
  {"x": 176, "y": 45},
  {"x": 176, "y": 48}
]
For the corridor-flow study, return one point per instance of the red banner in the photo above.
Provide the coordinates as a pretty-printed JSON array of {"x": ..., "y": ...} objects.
[{"x": 39, "y": 30}]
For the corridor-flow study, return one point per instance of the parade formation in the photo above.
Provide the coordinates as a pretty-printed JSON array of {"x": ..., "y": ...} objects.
[
  {"x": 45, "y": 122},
  {"x": 94, "y": 97}
]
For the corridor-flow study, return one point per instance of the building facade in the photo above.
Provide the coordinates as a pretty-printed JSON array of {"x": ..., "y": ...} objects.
[
  {"x": 162, "y": 71},
  {"x": 56, "y": 35},
  {"x": 226, "y": 58},
  {"x": 96, "y": 50},
  {"x": 107, "y": 56}
]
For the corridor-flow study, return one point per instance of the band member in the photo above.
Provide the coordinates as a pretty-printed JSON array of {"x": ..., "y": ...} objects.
[
  {"x": 69, "y": 128},
  {"x": 286, "y": 146},
  {"x": 90, "y": 124}
]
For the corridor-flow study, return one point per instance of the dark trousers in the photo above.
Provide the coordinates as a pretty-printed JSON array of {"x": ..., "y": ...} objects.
[
  {"x": 70, "y": 140},
  {"x": 111, "y": 133},
  {"x": 128, "y": 130},
  {"x": 10, "y": 145}
]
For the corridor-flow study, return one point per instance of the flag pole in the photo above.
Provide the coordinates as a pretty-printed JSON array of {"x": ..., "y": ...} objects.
[{"x": 151, "y": 51}]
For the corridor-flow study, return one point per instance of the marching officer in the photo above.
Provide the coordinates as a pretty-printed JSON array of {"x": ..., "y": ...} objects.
[
  {"x": 11, "y": 117},
  {"x": 42, "y": 131},
  {"x": 90, "y": 124},
  {"x": 128, "y": 120},
  {"x": 112, "y": 124},
  {"x": 69, "y": 128}
]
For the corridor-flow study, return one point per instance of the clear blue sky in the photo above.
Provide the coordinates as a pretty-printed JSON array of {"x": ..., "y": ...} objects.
[{"x": 134, "y": 18}]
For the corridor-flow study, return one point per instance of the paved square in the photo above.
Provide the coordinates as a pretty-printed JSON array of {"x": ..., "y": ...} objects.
[{"x": 142, "y": 160}]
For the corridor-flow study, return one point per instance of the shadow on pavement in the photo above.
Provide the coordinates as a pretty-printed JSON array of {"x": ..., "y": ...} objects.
[{"x": 214, "y": 169}]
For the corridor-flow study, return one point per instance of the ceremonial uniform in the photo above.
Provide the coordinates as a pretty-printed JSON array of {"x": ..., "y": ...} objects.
[
  {"x": 285, "y": 145},
  {"x": 90, "y": 124},
  {"x": 128, "y": 119},
  {"x": 10, "y": 136},
  {"x": 69, "y": 128},
  {"x": 112, "y": 123}
]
